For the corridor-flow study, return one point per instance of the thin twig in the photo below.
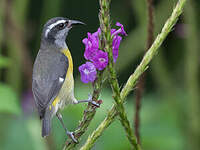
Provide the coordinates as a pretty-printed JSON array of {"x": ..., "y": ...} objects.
[
  {"x": 104, "y": 17},
  {"x": 112, "y": 113},
  {"x": 141, "y": 82}
]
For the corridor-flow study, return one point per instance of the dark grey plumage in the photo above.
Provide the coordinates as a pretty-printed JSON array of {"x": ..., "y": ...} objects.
[{"x": 46, "y": 83}]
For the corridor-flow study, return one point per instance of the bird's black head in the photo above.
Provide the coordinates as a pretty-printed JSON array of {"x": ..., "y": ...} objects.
[{"x": 56, "y": 29}]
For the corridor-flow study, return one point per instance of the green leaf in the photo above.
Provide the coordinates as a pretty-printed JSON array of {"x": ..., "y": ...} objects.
[{"x": 9, "y": 101}]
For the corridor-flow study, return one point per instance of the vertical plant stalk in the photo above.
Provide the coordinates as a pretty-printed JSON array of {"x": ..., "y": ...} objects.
[
  {"x": 141, "y": 83},
  {"x": 112, "y": 113},
  {"x": 104, "y": 18}
]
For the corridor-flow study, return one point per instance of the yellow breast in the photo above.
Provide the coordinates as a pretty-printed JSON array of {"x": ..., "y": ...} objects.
[
  {"x": 67, "y": 53},
  {"x": 66, "y": 92}
]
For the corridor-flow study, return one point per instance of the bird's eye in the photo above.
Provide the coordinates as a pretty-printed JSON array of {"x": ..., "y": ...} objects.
[
  {"x": 61, "y": 25},
  {"x": 67, "y": 22}
]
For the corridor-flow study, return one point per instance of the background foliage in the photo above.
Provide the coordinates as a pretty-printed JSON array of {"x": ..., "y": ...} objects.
[{"x": 170, "y": 106}]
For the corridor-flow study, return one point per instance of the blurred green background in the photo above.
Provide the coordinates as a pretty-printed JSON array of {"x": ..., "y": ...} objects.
[{"x": 171, "y": 102}]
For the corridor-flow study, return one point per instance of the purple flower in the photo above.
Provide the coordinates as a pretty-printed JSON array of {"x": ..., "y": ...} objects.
[
  {"x": 97, "y": 33},
  {"x": 100, "y": 60},
  {"x": 117, "y": 39},
  {"x": 88, "y": 72},
  {"x": 120, "y": 30},
  {"x": 91, "y": 44},
  {"x": 115, "y": 46},
  {"x": 98, "y": 57}
]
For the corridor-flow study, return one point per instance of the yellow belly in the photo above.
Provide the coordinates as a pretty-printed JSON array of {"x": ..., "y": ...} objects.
[{"x": 66, "y": 93}]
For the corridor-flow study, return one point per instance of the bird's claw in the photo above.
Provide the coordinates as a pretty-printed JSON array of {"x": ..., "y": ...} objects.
[
  {"x": 95, "y": 103},
  {"x": 71, "y": 135},
  {"x": 90, "y": 100}
]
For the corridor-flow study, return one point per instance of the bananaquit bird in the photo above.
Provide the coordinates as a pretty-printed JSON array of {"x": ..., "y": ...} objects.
[{"x": 53, "y": 82}]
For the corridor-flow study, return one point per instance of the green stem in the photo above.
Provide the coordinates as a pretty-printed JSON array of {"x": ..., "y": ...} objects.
[
  {"x": 104, "y": 18},
  {"x": 154, "y": 48},
  {"x": 112, "y": 113}
]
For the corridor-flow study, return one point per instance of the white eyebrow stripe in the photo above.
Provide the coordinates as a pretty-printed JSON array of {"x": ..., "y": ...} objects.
[
  {"x": 56, "y": 23},
  {"x": 53, "y": 25}
]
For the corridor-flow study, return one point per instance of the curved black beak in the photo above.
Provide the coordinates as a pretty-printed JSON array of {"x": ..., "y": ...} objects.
[{"x": 74, "y": 22}]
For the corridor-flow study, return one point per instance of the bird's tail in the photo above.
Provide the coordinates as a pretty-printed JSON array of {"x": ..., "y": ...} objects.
[{"x": 46, "y": 126}]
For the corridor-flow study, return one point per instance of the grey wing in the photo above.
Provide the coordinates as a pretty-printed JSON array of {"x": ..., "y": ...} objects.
[{"x": 48, "y": 77}]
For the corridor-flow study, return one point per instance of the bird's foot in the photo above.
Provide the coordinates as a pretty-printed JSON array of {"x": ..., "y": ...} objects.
[
  {"x": 90, "y": 100},
  {"x": 94, "y": 103},
  {"x": 71, "y": 135}
]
